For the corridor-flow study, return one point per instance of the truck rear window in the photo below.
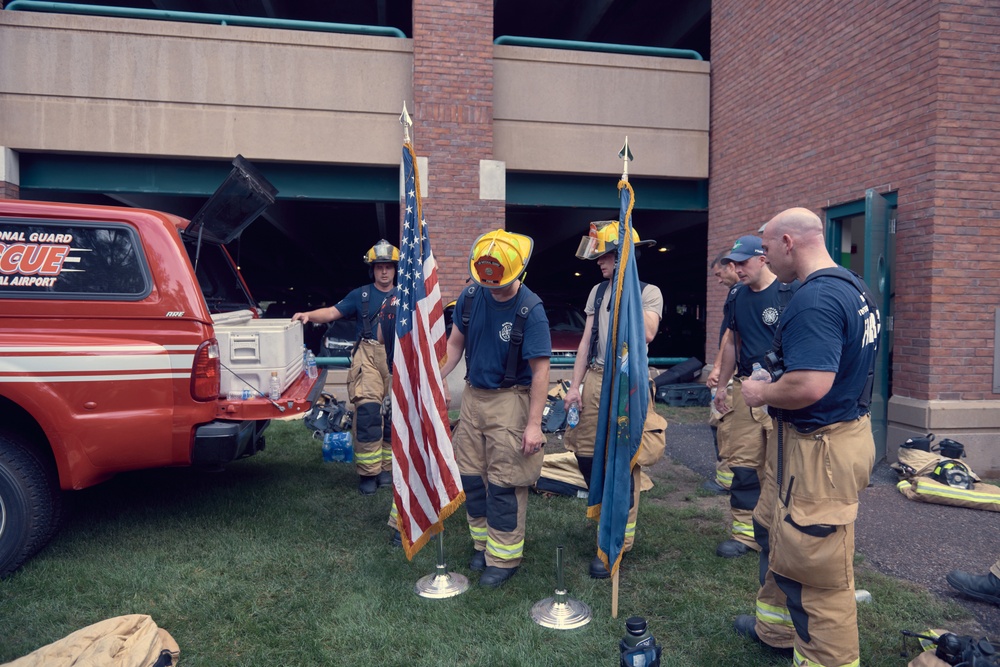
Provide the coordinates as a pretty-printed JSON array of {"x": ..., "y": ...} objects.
[{"x": 71, "y": 259}]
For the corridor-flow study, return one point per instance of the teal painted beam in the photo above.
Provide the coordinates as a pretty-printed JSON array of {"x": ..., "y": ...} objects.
[
  {"x": 525, "y": 189},
  {"x": 199, "y": 178}
]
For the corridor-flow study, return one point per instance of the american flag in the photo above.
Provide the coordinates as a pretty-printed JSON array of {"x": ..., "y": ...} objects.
[{"x": 427, "y": 486}]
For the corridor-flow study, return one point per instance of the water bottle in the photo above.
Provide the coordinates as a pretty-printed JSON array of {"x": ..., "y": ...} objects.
[
  {"x": 760, "y": 373},
  {"x": 235, "y": 395},
  {"x": 274, "y": 387},
  {"x": 305, "y": 360},
  {"x": 638, "y": 647},
  {"x": 861, "y": 595},
  {"x": 573, "y": 416},
  {"x": 312, "y": 370}
]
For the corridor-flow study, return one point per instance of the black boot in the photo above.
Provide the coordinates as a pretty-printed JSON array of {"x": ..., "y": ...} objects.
[
  {"x": 732, "y": 549},
  {"x": 598, "y": 570},
  {"x": 367, "y": 485},
  {"x": 494, "y": 577},
  {"x": 384, "y": 478},
  {"x": 985, "y": 587},
  {"x": 478, "y": 562},
  {"x": 746, "y": 626}
]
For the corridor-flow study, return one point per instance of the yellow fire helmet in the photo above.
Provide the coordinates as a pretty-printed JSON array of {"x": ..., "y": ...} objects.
[
  {"x": 603, "y": 238},
  {"x": 383, "y": 251},
  {"x": 498, "y": 258}
]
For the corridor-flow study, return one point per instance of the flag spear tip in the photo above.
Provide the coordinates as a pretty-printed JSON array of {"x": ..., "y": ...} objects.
[
  {"x": 626, "y": 155},
  {"x": 406, "y": 122}
]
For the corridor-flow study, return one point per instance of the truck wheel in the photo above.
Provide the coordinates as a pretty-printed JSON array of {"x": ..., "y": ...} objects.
[{"x": 27, "y": 504}]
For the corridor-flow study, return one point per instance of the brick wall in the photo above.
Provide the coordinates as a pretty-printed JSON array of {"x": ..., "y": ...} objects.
[
  {"x": 453, "y": 126},
  {"x": 813, "y": 103},
  {"x": 9, "y": 191}
]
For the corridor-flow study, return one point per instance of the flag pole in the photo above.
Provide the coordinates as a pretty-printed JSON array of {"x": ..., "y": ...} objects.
[
  {"x": 424, "y": 469},
  {"x": 626, "y": 155}
]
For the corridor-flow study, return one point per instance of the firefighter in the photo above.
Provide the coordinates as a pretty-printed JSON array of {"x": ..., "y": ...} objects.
[
  {"x": 601, "y": 244},
  {"x": 823, "y": 355},
  {"x": 502, "y": 329},
  {"x": 721, "y": 420},
  {"x": 754, "y": 313},
  {"x": 369, "y": 383}
]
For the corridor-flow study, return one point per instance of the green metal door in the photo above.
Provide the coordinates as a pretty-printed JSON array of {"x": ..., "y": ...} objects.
[{"x": 877, "y": 254}]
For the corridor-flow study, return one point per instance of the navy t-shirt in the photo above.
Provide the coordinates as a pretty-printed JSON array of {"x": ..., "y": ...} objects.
[
  {"x": 755, "y": 318},
  {"x": 488, "y": 337},
  {"x": 350, "y": 306},
  {"x": 727, "y": 310},
  {"x": 827, "y": 326}
]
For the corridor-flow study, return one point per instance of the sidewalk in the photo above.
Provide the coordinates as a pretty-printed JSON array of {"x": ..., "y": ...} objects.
[{"x": 916, "y": 542}]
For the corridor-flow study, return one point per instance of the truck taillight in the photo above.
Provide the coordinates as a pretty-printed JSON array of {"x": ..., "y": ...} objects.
[{"x": 205, "y": 373}]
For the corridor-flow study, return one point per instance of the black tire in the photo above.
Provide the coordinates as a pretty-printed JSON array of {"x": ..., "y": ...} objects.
[{"x": 28, "y": 504}]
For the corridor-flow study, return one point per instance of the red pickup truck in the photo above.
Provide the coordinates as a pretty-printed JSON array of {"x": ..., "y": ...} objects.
[{"x": 110, "y": 354}]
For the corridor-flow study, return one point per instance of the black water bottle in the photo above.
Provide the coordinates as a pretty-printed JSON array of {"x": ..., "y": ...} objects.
[{"x": 638, "y": 647}]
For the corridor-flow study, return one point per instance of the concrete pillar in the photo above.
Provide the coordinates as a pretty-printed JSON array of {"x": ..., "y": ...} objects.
[{"x": 10, "y": 174}]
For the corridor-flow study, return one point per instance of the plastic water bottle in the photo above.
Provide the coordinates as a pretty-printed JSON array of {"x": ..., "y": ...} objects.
[
  {"x": 305, "y": 359},
  {"x": 861, "y": 595},
  {"x": 638, "y": 647},
  {"x": 312, "y": 370},
  {"x": 760, "y": 373},
  {"x": 573, "y": 416},
  {"x": 274, "y": 387}
]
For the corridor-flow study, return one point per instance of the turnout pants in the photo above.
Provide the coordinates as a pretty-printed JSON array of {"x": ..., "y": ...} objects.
[
  {"x": 368, "y": 385},
  {"x": 580, "y": 440},
  {"x": 722, "y": 428},
  {"x": 743, "y": 453},
  {"x": 495, "y": 473},
  {"x": 812, "y": 544}
]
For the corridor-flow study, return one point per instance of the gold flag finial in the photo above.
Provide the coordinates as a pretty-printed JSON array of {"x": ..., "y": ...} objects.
[
  {"x": 626, "y": 155},
  {"x": 406, "y": 122}
]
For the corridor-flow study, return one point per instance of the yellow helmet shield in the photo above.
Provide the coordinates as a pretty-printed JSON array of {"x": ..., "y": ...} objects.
[
  {"x": 603, "y": 238},
  {"x": 498, "y": 258},
  {"x": 383, "y": 251}
]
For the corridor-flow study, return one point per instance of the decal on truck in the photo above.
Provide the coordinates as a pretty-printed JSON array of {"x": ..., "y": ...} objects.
[{"x": 71, "y": 259}]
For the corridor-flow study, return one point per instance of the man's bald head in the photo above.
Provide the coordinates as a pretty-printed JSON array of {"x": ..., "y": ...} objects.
[
  {"x": 794, "y": 244},
  {"x": 800, "y": 223}
]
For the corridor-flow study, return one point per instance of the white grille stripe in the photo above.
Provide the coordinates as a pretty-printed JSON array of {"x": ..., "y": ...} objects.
[{"x": 96, "y": 378}]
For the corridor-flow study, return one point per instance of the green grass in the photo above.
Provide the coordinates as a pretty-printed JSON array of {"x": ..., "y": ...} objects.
[{"x": 279, "y": 561}]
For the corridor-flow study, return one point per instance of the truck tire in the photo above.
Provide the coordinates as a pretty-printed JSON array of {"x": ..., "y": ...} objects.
[{"x": 27, "y": 504}]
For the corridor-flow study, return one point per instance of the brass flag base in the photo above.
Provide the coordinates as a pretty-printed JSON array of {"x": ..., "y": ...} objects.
[
  {"x": 442, "y": 584},
  {"x": 560, "y": 612}
]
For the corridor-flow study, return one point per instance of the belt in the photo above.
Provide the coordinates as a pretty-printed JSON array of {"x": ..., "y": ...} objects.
[{"x": 596, "y": 367}]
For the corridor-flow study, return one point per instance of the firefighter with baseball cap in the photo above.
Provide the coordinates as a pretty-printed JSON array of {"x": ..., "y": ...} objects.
[
  {"x": 601, "y": 244},
  {"x": 369, "y": 382},
  {"x": 501, "y": 328}
]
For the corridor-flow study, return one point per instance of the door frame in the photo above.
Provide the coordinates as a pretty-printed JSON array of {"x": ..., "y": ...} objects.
[{"x": 876, "y": 267}]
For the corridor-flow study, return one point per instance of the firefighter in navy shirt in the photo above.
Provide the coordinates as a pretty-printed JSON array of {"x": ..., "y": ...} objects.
[
  {"x": 824, "y": 351},
  {"x": 501, "y": 327},
  {"x": 369, "y": 381},
  {"x": 754, "y": 313}
]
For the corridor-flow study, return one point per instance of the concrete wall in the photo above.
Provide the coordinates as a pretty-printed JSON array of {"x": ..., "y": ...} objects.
[
  {"x": 87, "y": 84},
  {"x": 569, "y": 112}
]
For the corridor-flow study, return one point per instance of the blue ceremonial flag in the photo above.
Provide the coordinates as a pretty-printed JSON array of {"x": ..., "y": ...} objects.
[{"x": 624, "y": 397}]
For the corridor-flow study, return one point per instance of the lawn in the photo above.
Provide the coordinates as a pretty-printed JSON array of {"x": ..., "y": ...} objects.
[{"x": 278, "y": 561}]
